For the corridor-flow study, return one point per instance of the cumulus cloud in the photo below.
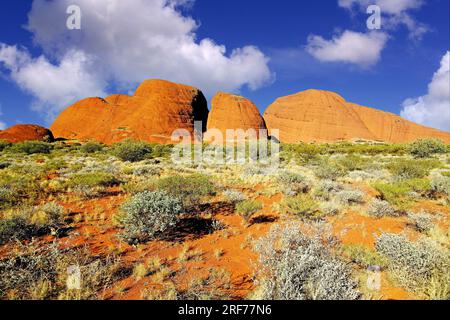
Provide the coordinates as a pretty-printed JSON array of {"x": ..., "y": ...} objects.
[
  {"x": 433, "y": 109},
  {"x": 396, "y": 13},
  {"x": 53, "y": 86},
  {"x": 363, "y": 49},
  {"x": 123, "y": 43}
]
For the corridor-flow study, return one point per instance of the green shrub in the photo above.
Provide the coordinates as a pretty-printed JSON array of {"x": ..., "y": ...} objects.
[
  {"x": 190, "y": 189},
  {"x": 4, "y": 145},
  {"x": 302, "y": 151},
  {"x": 426, "y": 148},
  {"x": 91, "y": 147},
  {"x": 32, "y": 147},
  {"x": 4, "y": 164},
  {"x": 294, "y": 183},
  {"x": 28, "y": 222},
  {"x": 13, "y": 228},
  {"x": 399, "y": 193},
  {"x": 421, "y": 266},
  {"x": 296, "y": 267},
  {"x": 363, "y": 256},
  {"x": 148, "y": 214},
  {"x": 92, "y": 179},
  {"x": 161, "y": 151},
  {"x": 408, "y": 169},
  {"x": 353, "y": 162},
  {"x": 329, "y": 170},
  {"x": 132, "y": 151},
  {"x": 302, "y": 205},
  {"x": 17, "y": 188},
  {"x": 248, "y": 208}
]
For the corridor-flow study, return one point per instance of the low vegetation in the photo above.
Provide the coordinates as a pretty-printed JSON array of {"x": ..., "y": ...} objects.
[{"x": 318, "y": 223}]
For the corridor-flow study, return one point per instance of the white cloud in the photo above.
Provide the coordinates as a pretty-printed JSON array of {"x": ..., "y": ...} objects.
[
  {"x": 395, "y": 13},
  {"x": 125, "y": 42},
  {"x": 363, "y": 49},
  {"x": 53, "y": 86},
  {"x": 432, "y": 109}
]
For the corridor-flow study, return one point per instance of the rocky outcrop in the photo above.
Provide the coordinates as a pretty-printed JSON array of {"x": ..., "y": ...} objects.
[
  {"x": 26, "y": 132},
  {"x": 229, "y": 111},
  {"x": 323, "y": 116},
  {"x": 392, "y": 128},
  {"x": 315, "y": 116},
  {"x": 152, "y": 114}
]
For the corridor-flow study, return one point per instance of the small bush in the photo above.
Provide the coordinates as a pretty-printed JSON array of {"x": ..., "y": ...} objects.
[
  {"x": 92, "y": 179},
  {"x": 422, "y": 221},
  {"x": 248, "y": 208},
  {"x": 353, "y": 162},
  {"x": 18, "y": 188},
  {"x": 132, "y": 151},
  {"x": 4, "y": 145},
  {"x": 40, "y": 272},
  {"x": 32, "y": 147},
  {"x": 426, "y": 148},
  {"x": 330, "y": 208},
  {"x": 329, "y": 170},
  {"x": 234, "y": 196},
  {"x": 380, "y": 208},
  {"x": 28, "y": 222},
  {"x": 440, "y": 184},
  {"x": 348, "y": 197},
  {"x": 148, "y": 214},
  {"x": 4, "y": 164},
  {"x": 146, "y": 171},
  {"x": 326, "y": 189},
  {"x": 294, "y": 183},
  {"x": 398, "y": 193},
  {"x": 190, "y": 189},
  {"x": 295, "y": 267},
  {"x": 302, "y": 205},
  {"x": 364, "y": 257},
  {"x": 91, "y": 147},
  {"x": 421, "y": 266},
  {"x": 411, "y": 169}
]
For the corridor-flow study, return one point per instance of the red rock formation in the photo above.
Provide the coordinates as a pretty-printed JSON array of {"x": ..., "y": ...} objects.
[
  {"x": 315, "y": 116},
  {"x": 152, "y": 114},
  {"x": 322, "y": 116},
  {"x": 392, "y": 128},
  {"x": 230, "y": 111},
  {"x": 26, "y": 132}
]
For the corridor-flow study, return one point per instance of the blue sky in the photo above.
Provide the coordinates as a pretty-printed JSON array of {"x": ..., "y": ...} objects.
[{"x": 280, "y": 47}]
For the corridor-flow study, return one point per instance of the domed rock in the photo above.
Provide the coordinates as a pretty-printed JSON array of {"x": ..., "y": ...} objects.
[
  {"x": 26, "y": 132},
  {"x": 230, "y": 111},
  {"x": 392, "y": 128},
  {"x": 323, "y": 116},
  {"x": 152, "y": 114},
  {"x": 315, "y": 116}
]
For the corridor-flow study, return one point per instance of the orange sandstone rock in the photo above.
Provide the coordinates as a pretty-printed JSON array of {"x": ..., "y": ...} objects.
[
  {"x": 229, "y": 111},
  {"x": 323, "y": 116},
  {"x": 152, "y": 114},
  {"x": 26, "y": 132}
]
